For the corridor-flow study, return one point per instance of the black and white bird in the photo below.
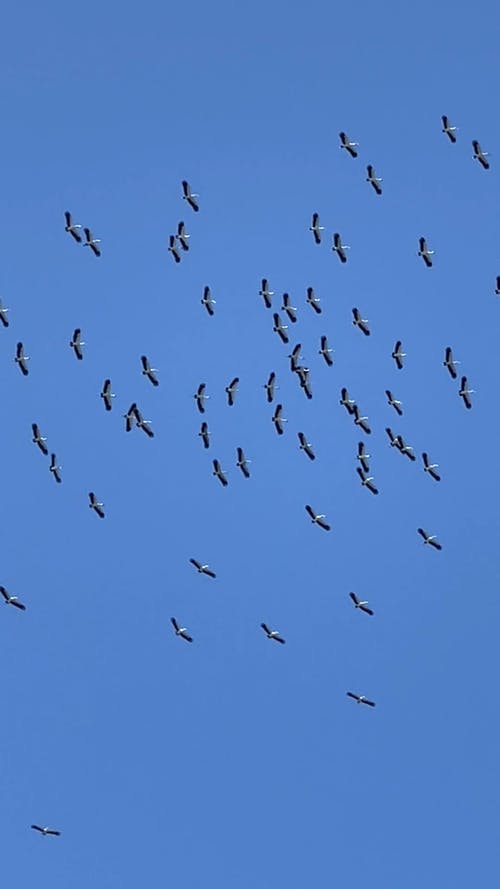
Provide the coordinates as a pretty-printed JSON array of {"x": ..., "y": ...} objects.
[
  {"x": 21, "y": 359},
  {"x": 77, "y": 343},
  {"x": 465, "y": 393},
  {"x": 231, "y": 390},
  {"x": 11, "y": 600},
  {"x": 339, "y": 248},
  {"x": 96, "y": 505},
  {"x": 305, "y": 446},
  {"x": 189, "y": 195},
  {"x": 303, "y": 374},
  {"x": 242, "y": 462},
  {"x": 347, "y": 402},
  {"x": 405, "y": 449},
  {"x": 398, "y": 354},
  {"x": 92, "y": 242},
  {"x": 148, "y": 371},
  {"x": 3, "y": 315},
  {"x": 46, "y": 831},
  {"x": 349, "y": 146},
  {"x": 280, "y": 328},
  {"x": 207, "y": 301},
  {"x": 200, "y": 397},
  {"x": 172, "y": 248},
  {"x": 430, "y": 468},
  {"x": 295, "y": 357},
  {"x": 373, "y": 179},
  {"x": 480, "y": 155},
  {"x": 361, "y": 323},
  {"x": 265, "y": 293},
  {"x": 447, "y": 129},
  {"x": 363, "y": 457},
  {"x": 393, "y": 402},
  {"x": 202, "y": 569},
  {"x": 360, "y": 605},
  {"x": 316, "y": 228},
  {"x": 107, "y": 395},
  {"x": 360, "y": 421},
  {"x": 273, "y": 634},
  {"x": 394, "y": 439},
  {"x": 180, "y": 631},
  {"x": 429, "y": 539},
  {"x": 278, "y": 419},
  {"x": 317, "y": 518},
  {"x": 366, "y": 480},
  {"x": 270, "y": 386},
  {"x": 313, "y": 300},
  {"x": 360, "y": 699},
  {"x": 325, "y": 351},
  {"x": 450, "y": 363},
  {"x": 204, "y": 434},
  {"x": 143, "y": 424},
  {"x": 39, "y": 439},
  {"x": 130, "y": 419},
  {"x": 71, "y": 227},
  {"x": 182, "y": 236},
  {"x": 424, "y": 252},
  {"x": 55, "y": 469},
  {"x": 219, "y": 473},
  {"x": 289, "y": 309}
]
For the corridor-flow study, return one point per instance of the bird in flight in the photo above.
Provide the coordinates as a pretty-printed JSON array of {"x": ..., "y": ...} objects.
[
  {"x": 280, "y": 328},
  {"x": 207, "y": 301},
  {"x": 424, "y": 252},
  {"x": 447, "y": 129},
  {"x": 480, "y": 155},
  {"x": 398, "y": 354},
  {"x": 360, "y": 699},
  {"x": 219, "y": 473},
  {"x": 107, "y": 395},
  {"x": 143, "y": 424},
  {"x": 316, "y": 228},
  {"x": 349, "y": 146},
  {"x": 429, "y": 539},
  {"x": 92, "y": 242},
  {"x": 172, "y": 248},
  {"x": 360, "y": 322},
  {"x": 278, "y": 419},
  {"x": 373, "y": 179},
  {"x": 265, "y": 293},
  {"x": 366, "y": 480},
  {"x": 231, "y": 390},
  {"x": 317, "y": 518},
  {"x": 46, "y": 831},
  {"x": 71, "y": 227},
  {"x": 291, "y": 311},
  {"x": 148, "y": 371},
  {"x": 393, "y": 402},
  {"x": 130, "y": 418},
  {"x": 39, "y": 439},
  {"x": 77, "y": 343},
  {"x": 3, "y": 315},
  {"x": 96, "y": 505},
  {"x": 273, "y": 634},
  {"x": 405, "y": 449},
  {"x": 202, "y": 569},
  {"x": 362, "y": 606},
  {"x": 305, "y": 446},
  {"x": 361, "y": 421},
  {"x": 347, "y": 402},
  {"x": 55, "y": 469},
  {"x": 313, "y": 300},
  {"x": 325, "y": 351},
  {"x": 21, "y": 359},
  {"x": 339, "y": 248},
  {"x": 430, "y": 468},
  {"x": 449, "y": 363},
  {"x": 242, "y": 462},
  {"x": 363, "y": 457},
  {"x": 180, "y": 631},
  {"x": 270, "y": 386},
  {"x": 182, "y": 236},
  {"x": 465, "y": 393},
  {"x": 189, "y": 195},
  {"x": 11, "y": 600},
  {"x": 204, "y": 434},
  {"x": 200, "y": 397}
]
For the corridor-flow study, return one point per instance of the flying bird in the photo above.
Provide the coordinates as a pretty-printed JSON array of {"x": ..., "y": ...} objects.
[
  {"x": 71, "y": 227},
  {"x": 130, "y": 418},
  {"x": 316, "y": 228},
  {"x": 313, "y": 300},
  {"x": 39, "y": 439},
  {"x": 366, "y": 480},
  {"x": 204, "y": 434},
  {"x": 107, "y": 395},
  {"x": 148, "y": 371},
  {"x": 92, "y": 242},
  {"x": 393, "y": 402},
  {"x": 207, "y": 301},
  {"x": 280, "y": 328},
  {"x": 55, "y": 469},
  {"x": 143, "y": 424},
  {"x": 317, "y": 518},
  {"x": 243, "y": 462},
  {"x": 339, "y": 248},
  {"x": 405, "y": 449},
  {"x": 270, "y": 386},
  {"x": 202, "y": 569},
  {"x": 21, "y": 359},
  {"x": 347, "y": 402},
  {"x": 394, "y": 439},
  {"x": 465, "y": 393},
  {"x": 373, "y": 179},
  {"x": 424, "y": 252},
  {"x": 200, "y": 397},
  {"x": 12, "y": 600},
  {"x": 325, "y": 351},
  {"x": 180, "y": 631},
  {"x": 361, "y": 421},
  {"x": 430, "y": 468},
  {"x": 349, "y": 146},
  {"x": 362, "y": 606},
  {"x": 429, "y": 539},
  {"x": 77, "y": 343},
  {"x": 273, "y": 634},
  {"x": 288, "y": 308},
  {"x": 172, "y": 248},
  {"x": 398, "y": 355},
  {"x": 46, "y": 831},
  {"x": 360, "y": 699},
  {"x": 219, "y": 473},
  {"x": 294, "y": 357},
  {"x": 3, "y": 315},
  {"x": 449, "y": 363},
  {"x": 265, "y": 293},
  {"x": 363, "y": 457},
  {"x": 189, "y": 196},
  {"x": 231, "y": 391},
  {"x": 182, "y": 236},
  {"x": 278, "y": 419},
  {"x": 360, "y": 322},
  {"x": 447, "y": 129},
  {"x": 96, "y": 505},
  {"x": 305, "y": 446},
  {"x": 303, "y": 375},
  {"x": 480, "y": 155}
]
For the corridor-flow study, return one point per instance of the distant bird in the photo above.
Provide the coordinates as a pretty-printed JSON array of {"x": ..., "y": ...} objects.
[
  {"x": 11, "y": 600},
  {"x": 55, "y": 469},
  {"x": 172, "y": 248},
  {"x": 448, "y": 130},
  {"x": 303, "y": 375},
  {"x": 107, "y": 395},
  {"x": 313, "y": 300},
  {"x": 393, "y": 402},
  {"x": 278, "y": 419},
  {"x": 305, "y": 446},
  {"x": 398, "y": 355},
  {"x": 430, "y": 468},
  {"x": 96, "y": 505},
  {"x": 207, "y": 301},
  {"x": 325, "y": 351},
  {"x": 430, "y": 539},
  {"x": 449, "y": 363},
  {"x": 288, "y": 308},
  {"x": 347, "y": 402},
  {"x": 349, "y": 146},
  {"x": 424, "y": 252},
  {"x": 143, "y": 424},
  {"x": 465, "y": 393},
  {"x": 200, "y": 397},
  {"x": 366, "y": 480},
  {"x": 497, "y": 291},
  {"x": 3, "y": 315},
  {"x": 316, "y": 228},
  {"x": 77, "y": 343},
  {"x": 182, "y": 236},
  {"x": 362, "y": 606},
  {"x": 71, "y": 227},
  {"x": 92, "y": 242},
  {"x": 39, "y": 439},
  {"x": 317, "y": 518},
  {"x": 270, "y": 386},
  {"x": 363, "y": 457},
  {"x": 231, "y": 391},
  {"x": 280, "y": 328},
  {"x": 219, "y": 473},
  {"x": 339, "y": 248},
  {"x": 202, "y": 569},
  {"x": 360, "y": 699},
  {"x": 394, "y": 439},
  {"x": 405, "y": 449},
  {"x": 480, "y": 155},
  {"x": 130, "y": 418},
  {"x": 243, "y": 462},
  {"x": 294, "y": 357},
  {"x": 273, "y": 634},
  {"x": 204, "y": 434},
  {"x": 148, "y": 371},
  {"x": 189, "y": 196},
  {"x": 361, "y": 421},
  {"x": 360, "y": 322},
  {"x": 265, "y": 293},
  {"x": 46, "y": 831},
  {"x": 373, "y": 179},
  {"x": 21, "y": 359},
  {"x": 180, "y": 631}
]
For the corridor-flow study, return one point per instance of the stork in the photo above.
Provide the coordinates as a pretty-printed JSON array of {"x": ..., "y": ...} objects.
[
  {"x": 373, "y": 179},
  {"x": 3, "y": 315},
  {"x": 303, "y": 375},
  {"x": 172, "y": 248},
  {"x": 317, "y": 518},
  {"x": 430, "y": 468},
  {"x": 316, "y": 228},
  {"x": 21, "y": 359},
  {"x": 46, "y": 831},
  {"x": 148, "y": 371},
  {"x": 361, "y": 323},
  {"x": 71, "y": 227},
  {"x": 429, "y": 539},
  {"x": 182, "y": 236},
  {"x": 349, "y": 146},
  {"x": 96, "y": 505},
  {"x": 305, "y": 446},
  {"x": 265, "y": 293},
  {"x": 39, "y": 439},
  {"x": 288, "y": 308},
  {"x": 280, "y": 328},
  {"x": 12, "y": 600},
  {"x": 278, "y": 419},
  {"x": 325, "y": 351},
  {"x": 313, "y": 300},
  {"x": 207, "y": 301},
  {"x": 363, "y": 457},
  {"x": 270, "y": 386},
  {"x": 394, "y": 439},
  {"x": 202, "y": 569},
  {"x": 180, "y": 631},
  {"x": 449, "y": 363},
  {"x": 480, "y": 155},
  {"x": 200, "y": 397},
  {"x": 339, "y": 248},
  {"x": 366, "y": 480},
  {"x": 204, "y": 435},
  {"x": 189, "y": 195},
  {"x": 55, "y": 469},
  {"x": 242, "y": 462},
  {"x": 294, "y": 357},
  {"x": 398, "y": 355},
  {"x": 362, "y": 606},
  {"x": 76, "y": 343},
  {"x": 347, "y": 402},
  {"x": 405, "y": 449},
  {"x": 273, "y": 634},
  {"x": 447, "y": 129},
  {"x": 219, "y": 473},
  {"x": 130, "y": 418},
  {"x": 107, "y": 395},
  {"x": 92, "y": 242},
  {"x": 361, "y": 421},
  {"x": 424, "y": 252},
  {"x": 465, "y": 393},
  {"x": 143, "y": 424},
  {"x": 360, "y": 699},
  {"x": 393, "y": 402},
  {"x": 231, "y": 391}
]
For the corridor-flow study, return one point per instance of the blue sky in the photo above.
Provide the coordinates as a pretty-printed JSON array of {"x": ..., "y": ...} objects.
[{"x": 235, "y": 760}]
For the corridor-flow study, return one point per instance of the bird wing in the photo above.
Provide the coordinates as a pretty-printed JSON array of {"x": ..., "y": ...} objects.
[
  {"x": 422, "y": 533},
  {"x": 196, "y": 564},
  {"x": 350, "y": 694},
  {"x": 323, "y": 524},
  {"x": 354, "y": 598},
  {"x": 361, "y": 473},
  {"x": 366, "y": 609},
  {"x": 4, "y": 593},
  {"x": 310, "y": 511},
  {"x": 174, "y": 623}
]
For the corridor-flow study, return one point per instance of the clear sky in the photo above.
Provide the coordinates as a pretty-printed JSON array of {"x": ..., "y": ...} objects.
[{"x": 235, "y": 761}]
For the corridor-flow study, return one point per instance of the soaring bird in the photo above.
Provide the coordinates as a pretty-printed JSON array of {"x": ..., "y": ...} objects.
[
  {"x": 11, "y": 600},
  {"x": 207, "y": 300},
  {"x": 242, "y": 462},
  {"x": 148, "y": 371},
  {"x": 71, "y": 227},
  {"x": 231, "y": 391},
  {"x": 182, "y": 236},
  {"x": 3, "y": 315},
  {"x": 96, "y": 505},
  {"x": 303, "y": 375},
  {"x": 313, "y": 300},
  {"x": 77, "y": 343},
  {"x": 360, "y": 322},
  {"x": 361, "y": 421},
  {"x": 465, "y": 393},
  {"x": 180, "y": 631},
  {"x": 172, "y": 248},
  {"x": 204, "y": 434},
  {"x": 21, "y": 359},
  {"x": 366, "y": 480},
  {"x": 317, "y": 518},
  {"x": 55, "y": 469},
  {"x": 202, "y": 569},
  {"x": 405, "y": 449},
  {"x": 349, "y": 146},
  {"x": 363, "y": 457},
  {"x": 294, "y": 357},
  {"x": 130, "y": 418},
  {"x": 325, "y": 351},
  {"x": 92, "y": 242},
  {"x": 305, "y": 446},
  {"x": 339, "y": 248},
  {"x": 362, "y": 606},
  {"x": 46, "y": 831},
  {"x": 280, "y": 328},
  {"x": 289, "y": 309},
  {"x": 316, "y": 228},
  {"x": 429, "y": 539},
  {"x": 430, "y": 468},
  {"x": 107, "y": 395},
  {"x": 189, "y": 196},
  {"x": 39, "y": 439},
  {"x": 278, "y": 419},
  {"x": 447, "y": 129},
  {"x": 270, "y": 386},
  {"x": 265, "y": 293},
  {"x": 449, "y": 363},
  {"x": 480, "y": 155},
  {"x": 394, "y": 439},
  {"x": 200, "y": 397},
  {"x": 273, "y": 634},
  {"x": 347, "y": 402},
  {"x": 219, "y": 473},
  {"x": 143, "y": 424},
  {"x": 424, "y": 252},
  {"x": 393, "y": 402},
  {"x": 373, "y": 179},
  {"x": 398, "y": 355},
  {"x": 360, "y": 699}
]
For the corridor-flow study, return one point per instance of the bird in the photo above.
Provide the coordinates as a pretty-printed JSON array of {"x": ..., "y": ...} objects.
[
  {"x": 424, "y": 252},
  {"x": 202, "y": 569},
  {"x": 305, "y": 446},
  {"x": 449, "y": 363},
  {"x": 280, "y": 328},
  {"x": 325, "y": 351},
  {"x": 405, "y": 449},
  {"x": 107, "y": 395},
  {"x": 398, "y": 355},
  {"x": 182, "y": 236},
  {"x": 373, "y": 179},
  {"x": 294, "y": 357},
  {"x": 347, "y": 402},
  {"x": 317, "y": 518},
  {"x": 219, "y": 473},
  {"x": 130, "y": 418},
  {"x": 243, "y": 462},
  {"x": 363, "y": 457},
  {"x": 21, "y": 359},
  {"x": 273, "y": 634},
  {"x": 366, "y": 480},
  {"x": 204, "y": 434},
  {"x": 278, "y": 419},
  {"x": 362, "y": 606},
  {"x": 360, "y": 322},
  {"x": 497, "y": 291},
  {"x": 339, "y": 248},
  {"x": 3, "y": 315},
  {"x": 394, "y": 439},
  {"x": 207, "y": 301},
  {"x": 303, "y": 375},
  {"x": 92, "y": 242},
  {"x": 189, "y": 196},
  {"x": 288, "y": 308},
  {"x": 465, "y": 393},
  {"x": 96, "y": 505},
  {"x": 393, "y": 402},
  {"x": 316, "y": 228},
  {"x": 231, "y": 391},
  {"x": 349, "y": 146},
  {"x": 200, "y": 397},
  {"x": 39, "y": 439},
  {"x": 447, "y": 129},
  {"x": 361, "y": 421},
  {"x": 148, "y": 371},
  {"x": 46, "y": 831},
  {"x": 480, "y": 155},
  {"x": 270, "y": 386},
  {"x": 143, "y": 424},
  {"x": 180, "y": 631},
  {"x": 77, "y": 343},
  {"x": 55, "y": 469},
  {"x": 71, "y": 227},
  {"x": 313, "y": 300},
  {"x": 265, "y": 293},
  {"x": 360, "y": 699},
  {"x": 172, "y": 248},
  {"x": 430, "y": 539},
  {"x": 430, "y": 468},
  {"x": 12, "y": 600}
]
